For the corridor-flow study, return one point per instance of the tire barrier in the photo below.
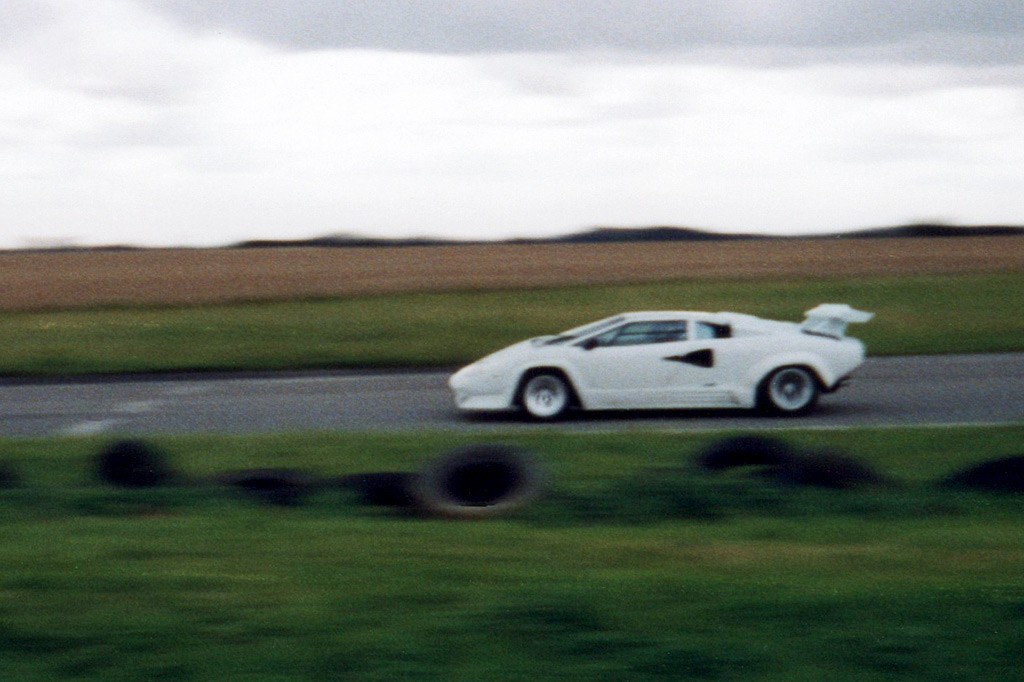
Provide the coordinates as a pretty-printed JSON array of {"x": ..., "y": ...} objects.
[
  {"x": 1005, "y": 475},
  {"x": 478, "y": 481},
  {"x": 487, "y": 481},
  {"x": 133, "y": 464},
  {"x": 279, "y": 487}
]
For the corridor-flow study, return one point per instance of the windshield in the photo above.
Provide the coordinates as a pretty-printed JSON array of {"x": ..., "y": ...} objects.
[{"x": 587, "y": 329}]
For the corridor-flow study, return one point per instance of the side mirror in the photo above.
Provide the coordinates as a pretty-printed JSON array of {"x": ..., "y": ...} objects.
[{"x": 589, "y": 344}]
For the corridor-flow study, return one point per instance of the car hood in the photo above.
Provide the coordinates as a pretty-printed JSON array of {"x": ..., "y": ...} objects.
[{"x": 511, "y": 355}]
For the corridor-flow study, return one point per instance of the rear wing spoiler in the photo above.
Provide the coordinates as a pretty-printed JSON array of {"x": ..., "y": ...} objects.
[{"x": 830, "y": 319}]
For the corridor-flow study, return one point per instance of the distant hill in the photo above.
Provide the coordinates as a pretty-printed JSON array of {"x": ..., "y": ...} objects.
[
  {"x": 606, "y": 235},
  {"x": 341, "y": 241},
  {"x": 596, "y": 235},
  {"x": 937, "y": 230}
]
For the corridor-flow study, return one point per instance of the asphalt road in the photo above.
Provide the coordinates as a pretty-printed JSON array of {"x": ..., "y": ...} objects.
[{"x": 961, "y": 389}]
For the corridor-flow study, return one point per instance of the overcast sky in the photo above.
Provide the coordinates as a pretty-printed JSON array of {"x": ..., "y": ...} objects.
[{"x": 192, "y": 122}]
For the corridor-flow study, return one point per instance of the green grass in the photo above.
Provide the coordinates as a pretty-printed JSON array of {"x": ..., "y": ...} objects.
[
  {"x": 969, "y": 313},
  {"x": 619, "y": 573}
]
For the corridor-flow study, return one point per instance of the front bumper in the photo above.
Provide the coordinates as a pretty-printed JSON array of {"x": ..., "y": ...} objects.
[{"x": 478, "y": 392}]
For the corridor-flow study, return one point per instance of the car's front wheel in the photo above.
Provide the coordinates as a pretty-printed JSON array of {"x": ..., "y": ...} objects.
[
  {"x": 789, "y": 391},
  {"x": 546, "y": 396}
]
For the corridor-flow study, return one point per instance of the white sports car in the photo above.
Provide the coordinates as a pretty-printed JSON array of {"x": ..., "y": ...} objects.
[{"x": 660, "y": 360}]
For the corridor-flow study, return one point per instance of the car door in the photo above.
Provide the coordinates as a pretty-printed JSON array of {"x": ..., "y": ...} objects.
[
  {"x": 628, "y": 366},
  {"x": 700, "y": 375}
]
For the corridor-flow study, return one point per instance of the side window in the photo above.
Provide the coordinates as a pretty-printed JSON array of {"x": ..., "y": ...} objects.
[
  {"x": 636, "y": 333},
  {"x": 604, "y": 339},
  {"x": 708, "y": 330}
]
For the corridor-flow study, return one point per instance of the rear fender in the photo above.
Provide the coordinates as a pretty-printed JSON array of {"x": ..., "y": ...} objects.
[{"x": 826, "y": 377}]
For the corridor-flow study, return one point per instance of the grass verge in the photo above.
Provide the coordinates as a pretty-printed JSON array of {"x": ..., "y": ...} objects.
[
  {"x": 620, "y": 573},
  {"x": 964, "y": 313}
]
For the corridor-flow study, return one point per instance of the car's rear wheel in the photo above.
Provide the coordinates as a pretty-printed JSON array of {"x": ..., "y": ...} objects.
[
  {"x": 546, "y": 396},
  {"x": 789, "y": 391}
]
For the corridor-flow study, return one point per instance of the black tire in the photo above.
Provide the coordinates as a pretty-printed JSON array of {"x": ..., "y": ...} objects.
[
  {"x": 828, "y": 469},
  {"x": 745, "y": 451},
  {"x": 545, "y": 396},
  {"x": 479, "y": 481},
  {"x": 1005, "y": 475},
  {"x": 133, "y": 464},
  {"x": 9, "y": 477},
  {"x": 789, "y": 391}
]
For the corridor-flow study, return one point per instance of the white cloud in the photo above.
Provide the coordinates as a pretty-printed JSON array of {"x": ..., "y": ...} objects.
[{"x": 121, "y": 126}]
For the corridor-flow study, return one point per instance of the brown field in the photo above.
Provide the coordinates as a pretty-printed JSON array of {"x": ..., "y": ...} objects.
[{"x": 58, "y": 280}]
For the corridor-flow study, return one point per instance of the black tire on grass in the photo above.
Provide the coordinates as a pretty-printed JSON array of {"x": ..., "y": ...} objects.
[
  {"x": 9, "y": 477},
  {"x": 827, "y": 469},
  {"x": 478, "y": 481},
  {"x": 133, "y": 464},
  {"x": 745, "y": 451},
  {"x": 1005, "y": 475}
]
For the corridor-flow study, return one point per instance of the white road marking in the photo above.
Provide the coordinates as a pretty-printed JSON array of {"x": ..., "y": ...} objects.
[
  {"x": 92, "y": 427},
  {"x": 138, "y": 406},
  {"x": 89, "y": 428}
]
